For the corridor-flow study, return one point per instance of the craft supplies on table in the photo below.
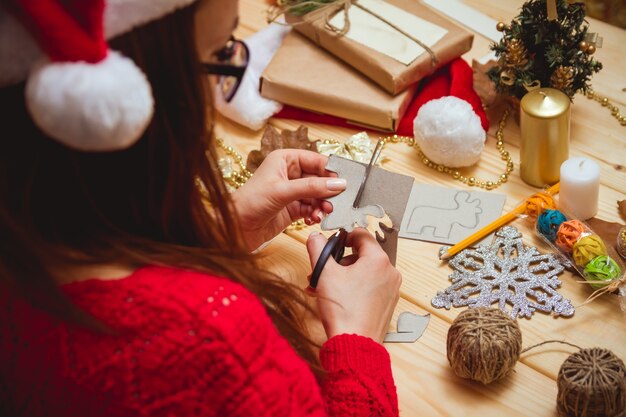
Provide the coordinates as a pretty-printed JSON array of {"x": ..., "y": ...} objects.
[
  {"x": 589, "y": 255},
  {"x": 532, "y": 206}
]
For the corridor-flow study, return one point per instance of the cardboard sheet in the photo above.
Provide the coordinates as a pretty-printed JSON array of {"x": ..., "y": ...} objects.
[{"x": 447, "y": 215}]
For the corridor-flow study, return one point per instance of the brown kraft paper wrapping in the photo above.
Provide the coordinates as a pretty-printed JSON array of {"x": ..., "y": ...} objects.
[
  {"x": 390, "y": 74},
  {"x": 305, "y": 76}
]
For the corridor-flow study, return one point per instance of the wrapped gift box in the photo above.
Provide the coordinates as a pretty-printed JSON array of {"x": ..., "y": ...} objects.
[
  {"x": 389, "y": 73},
  {"x": 305, "y": 76}
]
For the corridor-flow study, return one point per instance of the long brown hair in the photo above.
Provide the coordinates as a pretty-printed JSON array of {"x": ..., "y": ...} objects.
[{"x": 144, "y": 205}]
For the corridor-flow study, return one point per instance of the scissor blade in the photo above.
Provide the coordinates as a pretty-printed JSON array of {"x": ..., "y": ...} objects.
[{"x": 375, "y": 155}]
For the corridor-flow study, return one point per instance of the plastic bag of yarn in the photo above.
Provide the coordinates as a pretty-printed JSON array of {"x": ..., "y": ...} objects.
[{"x": 576, "y": 242}]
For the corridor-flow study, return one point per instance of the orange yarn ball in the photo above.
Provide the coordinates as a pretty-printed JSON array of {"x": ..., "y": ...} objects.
[
  {"x": 568, "y": 234},
  {"x": 538, "y": 203}
]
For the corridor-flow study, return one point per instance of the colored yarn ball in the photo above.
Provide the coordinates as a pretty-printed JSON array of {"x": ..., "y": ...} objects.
[
  {"x": 483, "y": 344},
  {"x": 539, "y": 202},
  {"x": 601, "y": 268},
  {"x": 592, "y": 383},
  {"x": 568, "y": 234},
  {"x": 587, "y": 248},
  {"x": 548, "y": 223}
]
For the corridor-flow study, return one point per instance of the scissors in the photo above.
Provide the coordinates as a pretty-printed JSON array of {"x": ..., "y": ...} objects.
[{"x": 336, "y": 244}]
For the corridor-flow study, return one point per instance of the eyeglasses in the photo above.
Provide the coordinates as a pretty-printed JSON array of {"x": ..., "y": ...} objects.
[{"x": 232, "y": 61}]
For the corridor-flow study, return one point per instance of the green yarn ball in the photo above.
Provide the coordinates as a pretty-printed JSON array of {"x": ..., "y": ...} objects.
[{"x": 601, "y": 268}]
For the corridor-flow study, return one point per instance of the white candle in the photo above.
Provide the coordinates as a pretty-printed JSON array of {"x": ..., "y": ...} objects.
[{"x": 580, "y": 186}]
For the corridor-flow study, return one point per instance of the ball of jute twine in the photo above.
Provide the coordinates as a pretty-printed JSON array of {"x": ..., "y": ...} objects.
[
  {"x": 592, "y": 383},
  {"x": 483, "y": 344}
]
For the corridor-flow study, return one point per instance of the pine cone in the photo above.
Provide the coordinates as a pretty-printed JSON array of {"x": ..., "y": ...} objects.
[
  {"x": 562, "y": 78},
  {"x": 515, "y": 55}
]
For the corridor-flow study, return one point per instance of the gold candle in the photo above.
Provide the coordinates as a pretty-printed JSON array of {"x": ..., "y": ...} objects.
[{"x": 544, "y": 125}]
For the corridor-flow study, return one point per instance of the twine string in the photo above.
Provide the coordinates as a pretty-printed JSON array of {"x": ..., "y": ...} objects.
[{"x": 547, "y": 342}]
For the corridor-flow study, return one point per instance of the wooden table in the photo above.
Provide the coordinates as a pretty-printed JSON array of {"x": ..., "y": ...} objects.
[{"x": 426, "y": 384}]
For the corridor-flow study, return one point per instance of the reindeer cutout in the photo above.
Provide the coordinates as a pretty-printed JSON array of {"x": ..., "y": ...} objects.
[
  {"x": 442, "y": 219},
  {"x": 385, "y": 193},
  {"x": 344, "y": 215}
]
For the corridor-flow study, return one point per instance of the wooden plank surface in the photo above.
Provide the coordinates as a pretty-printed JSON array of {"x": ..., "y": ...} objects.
[{"x": 426, "y": 384}]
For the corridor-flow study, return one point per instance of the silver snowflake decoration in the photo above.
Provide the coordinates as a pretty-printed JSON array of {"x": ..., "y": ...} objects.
[{"x": 509, "y": 273}]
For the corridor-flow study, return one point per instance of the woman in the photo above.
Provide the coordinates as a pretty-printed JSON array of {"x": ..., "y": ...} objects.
[{"x": 127, "y": 285}]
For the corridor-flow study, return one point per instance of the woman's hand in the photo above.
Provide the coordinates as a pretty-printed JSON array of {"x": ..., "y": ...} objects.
[
  {"x": 289, "y": 185},
  {"x": 359, "y": 294}
]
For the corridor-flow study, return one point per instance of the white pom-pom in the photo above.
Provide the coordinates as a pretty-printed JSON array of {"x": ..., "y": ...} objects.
[
  {"x": 449, "y": 132},
  {"x": 91, "y": 107}
]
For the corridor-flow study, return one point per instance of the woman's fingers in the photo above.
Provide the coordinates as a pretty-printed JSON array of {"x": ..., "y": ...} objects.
[{"x": 308, "y": 188}]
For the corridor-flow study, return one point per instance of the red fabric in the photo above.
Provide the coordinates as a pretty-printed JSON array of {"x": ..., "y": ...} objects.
[
  {"x": 186, "y": 344},
  {"x": 455, "y": 79},
  {"x": 70, "y": 30}
]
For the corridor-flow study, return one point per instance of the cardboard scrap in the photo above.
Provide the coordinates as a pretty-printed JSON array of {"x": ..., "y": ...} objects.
[
  {"x": 410, "y": 327},
  {"x": 446, "y": 215}
]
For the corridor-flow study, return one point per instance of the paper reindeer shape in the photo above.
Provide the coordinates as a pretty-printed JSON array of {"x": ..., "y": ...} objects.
[
  {"x": 385, "y": 193},
  {"x": 442, "y": 219},
  {"x": 446, "y": 215}
]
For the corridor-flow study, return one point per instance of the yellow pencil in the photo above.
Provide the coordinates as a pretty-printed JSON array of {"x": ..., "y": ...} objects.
[{"x": 496, "y": 224}]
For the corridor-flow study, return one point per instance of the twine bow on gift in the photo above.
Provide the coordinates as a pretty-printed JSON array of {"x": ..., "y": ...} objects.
[{"x": 329, "y": 8}]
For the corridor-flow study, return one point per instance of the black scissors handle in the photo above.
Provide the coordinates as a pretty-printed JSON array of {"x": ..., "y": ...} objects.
[{"x": 335, "y": 247}]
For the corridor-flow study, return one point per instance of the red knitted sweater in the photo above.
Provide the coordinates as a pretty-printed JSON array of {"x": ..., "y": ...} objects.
[{"x": 189, "y": 344}]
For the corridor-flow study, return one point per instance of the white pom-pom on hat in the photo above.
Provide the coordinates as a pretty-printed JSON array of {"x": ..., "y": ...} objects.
[
  {"x": 450, "y": 122},
  {"x": 91, "y": 107},
  {"x": 82, "y": 94},
  {"x": 449, "y": 132}
]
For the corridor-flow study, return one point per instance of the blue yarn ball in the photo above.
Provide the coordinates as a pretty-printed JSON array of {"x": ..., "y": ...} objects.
[{"x": 548, "y": 223}]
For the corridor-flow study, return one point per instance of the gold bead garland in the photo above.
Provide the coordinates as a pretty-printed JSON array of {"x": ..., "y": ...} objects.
[
  {"x": 605, "y": 102},
  {"x": 234, "y": 178}
]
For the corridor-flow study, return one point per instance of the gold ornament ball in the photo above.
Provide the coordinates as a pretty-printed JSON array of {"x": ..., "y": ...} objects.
[
  {"x": 500, "y": 27},
  {"x": 591, "y": 49},
  {"x": 583, "y": 46}
]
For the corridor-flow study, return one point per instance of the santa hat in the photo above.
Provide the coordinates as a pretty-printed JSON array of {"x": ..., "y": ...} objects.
[
  {"x": 447, "y": 117},
  {"x": 78, "y": 91}
]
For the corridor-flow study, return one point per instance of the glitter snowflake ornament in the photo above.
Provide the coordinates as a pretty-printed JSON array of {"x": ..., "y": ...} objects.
[{"x": 509, "y": 273}]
